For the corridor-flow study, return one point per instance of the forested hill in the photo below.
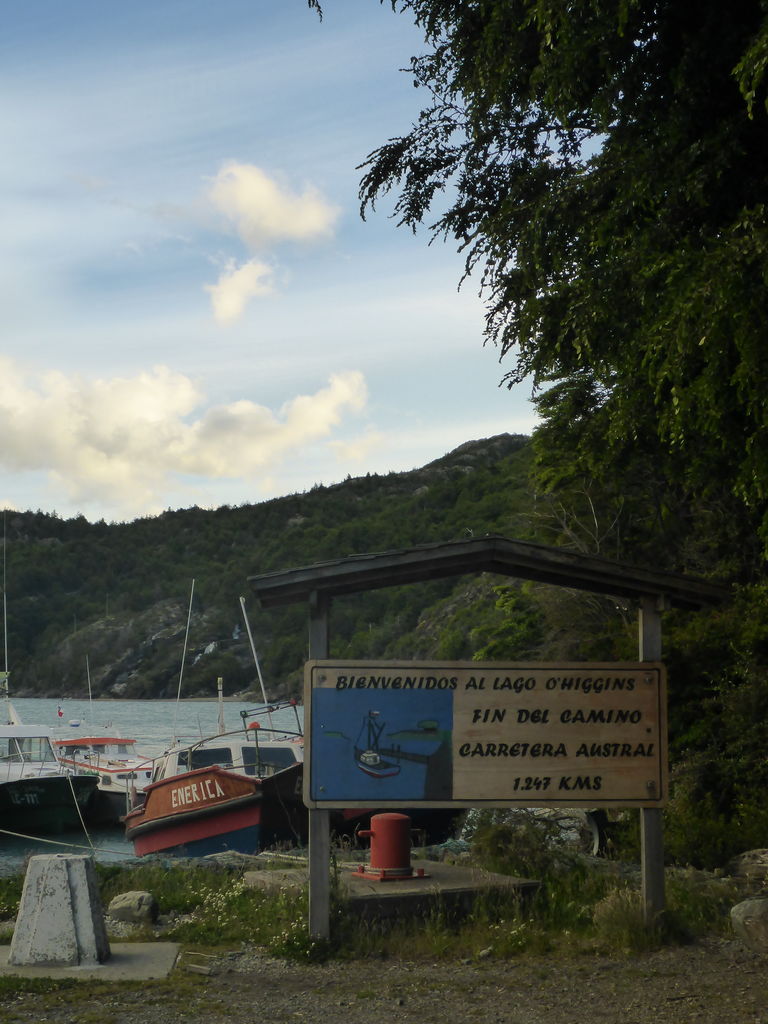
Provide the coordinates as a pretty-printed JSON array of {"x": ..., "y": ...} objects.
[{"x": 118, "y": 595}]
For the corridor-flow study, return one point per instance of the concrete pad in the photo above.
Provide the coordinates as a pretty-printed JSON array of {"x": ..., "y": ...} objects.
[
  {"x": 129, "y": 961},
  {"x": 448, "y": 884}
]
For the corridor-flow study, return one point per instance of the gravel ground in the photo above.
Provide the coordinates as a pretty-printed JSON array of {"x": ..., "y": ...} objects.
[{"x": 717, "y": 981}]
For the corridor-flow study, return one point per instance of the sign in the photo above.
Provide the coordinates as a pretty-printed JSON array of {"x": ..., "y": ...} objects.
[{"x": 473, "y": 734}]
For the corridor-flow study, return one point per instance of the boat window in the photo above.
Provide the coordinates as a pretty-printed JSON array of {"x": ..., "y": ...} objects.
[
  {"x": 205, "y": 757},
  {"x": 8, "y": 750},
  {"x": 250, "y": 760},
  {"x": 268, "y": 760},
  {"x": 279, "y": 757},
  {"x": 32, "y": 748}
]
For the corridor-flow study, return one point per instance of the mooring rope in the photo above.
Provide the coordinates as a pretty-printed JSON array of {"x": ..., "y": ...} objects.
[
  {"x": 59, "y": 842},
  {"x": 79, "y": 812}
]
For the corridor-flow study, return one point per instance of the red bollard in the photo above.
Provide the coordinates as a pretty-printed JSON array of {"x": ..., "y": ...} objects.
[{"x": 390, "y": 859}]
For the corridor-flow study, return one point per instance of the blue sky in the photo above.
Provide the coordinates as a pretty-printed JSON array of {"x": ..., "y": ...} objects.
[{"x": 194, "y": 312}]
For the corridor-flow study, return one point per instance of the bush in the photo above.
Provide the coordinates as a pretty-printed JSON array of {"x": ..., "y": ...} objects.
[{"x": 10, "y": 895}]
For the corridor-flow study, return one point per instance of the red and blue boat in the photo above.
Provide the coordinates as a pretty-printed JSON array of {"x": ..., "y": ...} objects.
[{"x": 238, "y": 791}]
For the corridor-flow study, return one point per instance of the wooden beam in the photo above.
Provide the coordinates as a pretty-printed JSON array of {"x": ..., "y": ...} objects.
[{"x": 493, "y": 554}]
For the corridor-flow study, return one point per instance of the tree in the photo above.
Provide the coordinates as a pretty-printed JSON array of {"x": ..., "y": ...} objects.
[{"x": 603, "y": 166}]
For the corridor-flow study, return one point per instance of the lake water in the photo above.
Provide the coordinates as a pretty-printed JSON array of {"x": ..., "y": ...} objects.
[{"x": 152, "y": 723}]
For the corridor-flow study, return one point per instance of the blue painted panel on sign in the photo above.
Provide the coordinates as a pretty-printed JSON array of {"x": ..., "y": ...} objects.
[{"x": 373, "y": 745}]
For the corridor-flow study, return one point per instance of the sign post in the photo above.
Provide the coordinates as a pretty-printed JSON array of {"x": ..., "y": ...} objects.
[
  {"x": 651, "y": 831},
  {"x": 319, "y": 820}
]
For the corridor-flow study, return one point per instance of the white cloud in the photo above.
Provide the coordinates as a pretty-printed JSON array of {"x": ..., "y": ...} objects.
[
  {"x": 264, "y": 213},
  {"x": 125, "y": 441},
  {"x": 236, "y": 286},
  {"x": 238, "y": 439},
  {"x": 358, "y": 449}
]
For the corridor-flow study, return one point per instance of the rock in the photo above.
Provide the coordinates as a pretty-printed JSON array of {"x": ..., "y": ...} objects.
[
  {"x": 753, "y": 865},
  {"x": 136, "y": 907},
  {"x": 750, "y": 922}
]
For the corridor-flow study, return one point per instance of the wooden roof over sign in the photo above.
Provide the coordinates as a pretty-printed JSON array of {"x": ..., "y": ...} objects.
[{"x": 492, "y": 553}]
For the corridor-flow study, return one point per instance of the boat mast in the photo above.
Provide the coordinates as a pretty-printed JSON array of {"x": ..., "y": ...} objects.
[
  {"x": 255, "y": 657},
  {"x": 5, "y": 613},
  {"x": 10, "y": 714},
  {"x": 90, "y": 694},
  {"x": 220, "y": 699},
  {"x": 183, "y": 658}
]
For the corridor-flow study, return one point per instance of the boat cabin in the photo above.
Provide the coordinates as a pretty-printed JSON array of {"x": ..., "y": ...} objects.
[
  {"x": 21, "y": 744},
  {"x": 237, "y": 752}
]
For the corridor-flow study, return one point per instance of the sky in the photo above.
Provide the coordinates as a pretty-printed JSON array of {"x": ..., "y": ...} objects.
[{"x": 194, "y": 312}]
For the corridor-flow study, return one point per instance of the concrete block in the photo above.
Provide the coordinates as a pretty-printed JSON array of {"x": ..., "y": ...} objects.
[{"x": 60, "y": 920}]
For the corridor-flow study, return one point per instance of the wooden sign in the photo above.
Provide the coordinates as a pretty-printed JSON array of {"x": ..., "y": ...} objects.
[{"x": 399, "y": 734}]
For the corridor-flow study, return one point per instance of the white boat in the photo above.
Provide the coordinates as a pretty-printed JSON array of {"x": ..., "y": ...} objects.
[
  {"x": 122, "y": 772},
  {"x": 38, "y": 795}
]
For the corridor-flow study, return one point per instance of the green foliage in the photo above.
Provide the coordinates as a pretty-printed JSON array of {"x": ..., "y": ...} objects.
[
  {"x": 603, "y": 168},
  {"x": 698, "y": 904},
  {"x": 702, "y": 827},
  {"x": 718, "y": 711},
  {"x": 214, "y": 906},
  {"x": 591, "y": 906},
  {"x": 519, "y": 631},
  {"x": 10, "y": 895},
  {"x": 176, "y": 887},
  {"x": 293, "y": 942},
  {"x": 522, "y": 843},
  {"x": 223, "y": 910},
  {"x": 619, "y": 924},
  {"x": 15, "y": 985}
]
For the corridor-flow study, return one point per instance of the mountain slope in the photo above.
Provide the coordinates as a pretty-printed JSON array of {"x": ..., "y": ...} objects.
[{"x": 118, "y": 595}]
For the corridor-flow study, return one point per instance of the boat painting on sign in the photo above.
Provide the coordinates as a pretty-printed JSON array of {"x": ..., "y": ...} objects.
[
  {"x": 369, "y": 758},
  {"x": 401, "y": 750}
]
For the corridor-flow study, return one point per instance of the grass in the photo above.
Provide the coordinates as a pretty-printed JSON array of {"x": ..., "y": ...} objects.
[{"x": 580, "y": 908}]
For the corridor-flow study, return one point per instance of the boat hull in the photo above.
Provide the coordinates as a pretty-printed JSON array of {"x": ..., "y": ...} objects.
[
  {"x": 45, "y": 804},
  {"x": 122, "y": 773},
  {"x": 107, "y": 807},
  {"x": 212, "y": 810}
]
